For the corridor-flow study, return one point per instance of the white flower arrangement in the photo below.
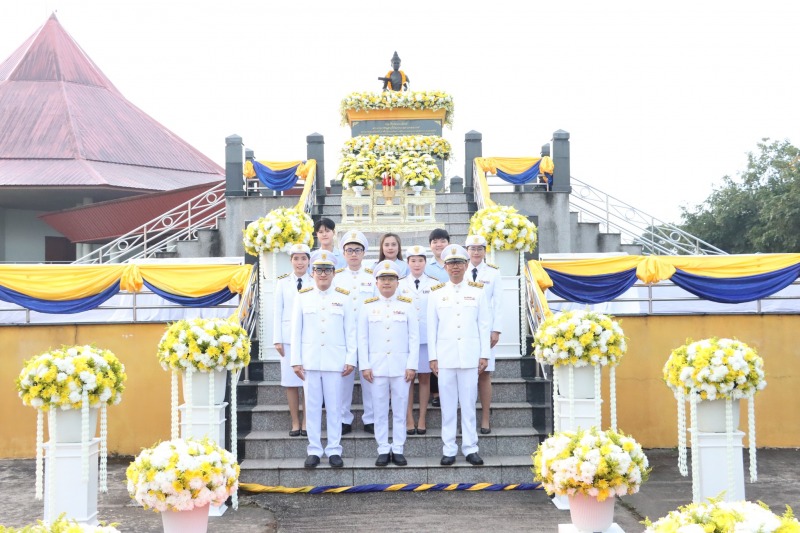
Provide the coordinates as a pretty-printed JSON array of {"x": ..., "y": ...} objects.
[
  {"x": 357, "y": 170},
  {"x": 600, "y": 464},
  {"x": 380, "y": 144},
  {"x": 181, "y": 474},
  {"x": 368, "y": 101},
  {"x": 62, "y": 525},
  {"x": 419, "y": 169},
  {"x": 278, "y": 231},
  {"x": 205, "y": 345},
  {"x": 504, "y": 228},
  {"x": 716, "y": 516}
]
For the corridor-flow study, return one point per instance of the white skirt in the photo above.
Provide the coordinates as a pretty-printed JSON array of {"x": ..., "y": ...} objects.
[
  {"x": 288, "y": 377},
  {"x": 424, "y": 365}
]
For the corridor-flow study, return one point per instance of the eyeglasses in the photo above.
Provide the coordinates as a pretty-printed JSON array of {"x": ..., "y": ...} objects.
[
  {"x": 353, "y": 251},
  {"x": 321, "y": 270},
  {"x": 476, "y": 248}
]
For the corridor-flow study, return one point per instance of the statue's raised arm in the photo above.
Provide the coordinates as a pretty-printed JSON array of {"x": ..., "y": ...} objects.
[{"x": 396, "y": 79}]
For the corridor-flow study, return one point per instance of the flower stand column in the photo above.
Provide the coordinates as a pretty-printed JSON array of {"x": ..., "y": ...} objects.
[
  {"x": 514, "y": 323},
  {"x": 714, "y": 468},
  {"x": 271, "y": 265},
  {"x": 63, "y": 473}
]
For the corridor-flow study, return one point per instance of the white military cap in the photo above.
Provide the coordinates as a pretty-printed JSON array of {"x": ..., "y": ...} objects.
[
  {"x": 416, "y": 250},
  {"x": 475, "y": 240},
  {"x": 299, "y": 248},
  {"x": 454, "y": 252},
  {"x": 323, "y": 258},
  {"x": 354, "y": 237},
  {"x": 386, "y": 268}
]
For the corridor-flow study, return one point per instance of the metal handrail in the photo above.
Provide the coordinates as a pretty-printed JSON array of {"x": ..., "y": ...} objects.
[
  {"x": 179, "y": 223},
  {"x": 247, "y": 312}
]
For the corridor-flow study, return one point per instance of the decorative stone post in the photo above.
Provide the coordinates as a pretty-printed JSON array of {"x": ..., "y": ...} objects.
[
  {"x": 473, "y": 141},
  {"x": 315, "y": 149},
  {"x": 234, "y": 166},
  {"x": 561, "y": 174}
]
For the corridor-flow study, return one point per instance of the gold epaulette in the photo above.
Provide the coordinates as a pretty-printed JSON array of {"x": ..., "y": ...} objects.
[
  {"x": 301, "y": 291},
  {"x": 475, "y": 284},
  {"x": 368, "y": 270},
  {"x": 283, "y": 276},
  {"x": 405, "y": 299},
  {"x": 431, "y": 277},
  {"x": 343, "y": 291},
  {"x": 437, "y": 287},
  {"x": 370, "y": 300},
  {"x": 493, "y": 266},
  {"x": 339, "y": 270}
]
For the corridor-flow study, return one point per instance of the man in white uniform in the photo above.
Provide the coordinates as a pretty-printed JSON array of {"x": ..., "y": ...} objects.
[
  {"x": 360, "y": 283},
  {"x": 459, "y": 324},
  {"x": 324, "y": 350},
  {"x": 480, "y": 271},
  {"x": 388, "y": 353},
  {"x": 286, "y": 289}
]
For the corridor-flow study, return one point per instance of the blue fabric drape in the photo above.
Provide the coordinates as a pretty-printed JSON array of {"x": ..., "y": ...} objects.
[
  {"x": 549, "y": 181},
  {"x": 736, "y": 290},
  {"x": 519, "y": 179},
  {"x": 277, "y": 180},
  {"x": 209, "y": 300},
  {"x": 59, "y": 306},
  {"x": 591, "y": 289}
]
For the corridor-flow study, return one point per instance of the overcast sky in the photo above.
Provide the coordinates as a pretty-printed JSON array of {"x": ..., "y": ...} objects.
[{"x": 661, "y": 102}]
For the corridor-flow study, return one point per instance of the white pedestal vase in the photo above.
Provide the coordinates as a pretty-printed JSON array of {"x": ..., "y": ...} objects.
[
  {"x": 714, "y": 468},
  {"x": 711, "y": 416},
  {"x": 194, "y": 521},
  {"x": 590, "y": 515},
  {"x": 65, "y": 490},
  {"x": 514, "y": 323},
  {"x": 70, "y": 423},
  {"x": 271, "y": 265},
  {"x": 200, "y": 387}
]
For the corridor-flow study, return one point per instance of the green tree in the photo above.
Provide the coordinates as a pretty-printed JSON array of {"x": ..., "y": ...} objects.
[{"x": 760, "y": 211}]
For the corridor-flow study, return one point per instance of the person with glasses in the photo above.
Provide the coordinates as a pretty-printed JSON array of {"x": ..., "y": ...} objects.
[
  {"x": 324, "y": 352},
  {"x": 388, "y": 353},
  {"x": 459, "y": 322},
  {"x": 360, "y": 283},
  {"x": 480, "y": 271},
  {"x": 286, "y": 288},
  {"x": 325, "y": 234},
  {"x": 417, "y": 286}
]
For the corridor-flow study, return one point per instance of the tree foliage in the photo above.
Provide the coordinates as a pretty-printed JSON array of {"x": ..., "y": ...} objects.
[{"x": 759, "y": 211}]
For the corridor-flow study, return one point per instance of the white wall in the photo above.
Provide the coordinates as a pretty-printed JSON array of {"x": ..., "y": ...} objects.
[{"x": 22, "y": 235}]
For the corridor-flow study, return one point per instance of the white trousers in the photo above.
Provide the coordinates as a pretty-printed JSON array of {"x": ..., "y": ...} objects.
[
  {"x": 347, "y": 399},
  {"x": 458, "y": 386},
  {"x": 327, "y": 385},
  {"x": 382, "y": 388}
]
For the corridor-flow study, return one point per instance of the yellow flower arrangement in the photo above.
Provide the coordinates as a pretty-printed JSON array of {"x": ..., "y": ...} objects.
[
  {"x": 504, "y": 228},
  {"x": 579, "y": 338},
  {"x": 181, "y": 474},
  {"x": 278, "y": 231},
  {"x": 62, "y": 525},
  {"x": 205, "y": 344},
  {"x": 716, "y": 516},
  {"x": 715, "y": 368},
  {"x": 597, "y": 463},
  {"x": 368, "y": 101},
  {"x": 358, "y": 170},
  {"x": 379, "y": 145},
  {"x": 418, "y": 169},
  {"x": 59, "y": 378}
]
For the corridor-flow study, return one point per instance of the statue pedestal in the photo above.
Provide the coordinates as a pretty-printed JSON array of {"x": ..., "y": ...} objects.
[{"x": 396, "y": 122}]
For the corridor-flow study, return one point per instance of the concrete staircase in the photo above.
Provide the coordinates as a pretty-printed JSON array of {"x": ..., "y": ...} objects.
[{"x": 521, "y": 416}]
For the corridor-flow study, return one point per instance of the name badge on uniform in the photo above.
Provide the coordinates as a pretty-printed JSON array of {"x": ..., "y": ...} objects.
[
  {"x": 469, "y": 298},
  {"x": 366, "y": 284},
  {"x": 399, "y": 312},
  {"x": 337, "y": 304},
  {"x": 426, "y": 291}
]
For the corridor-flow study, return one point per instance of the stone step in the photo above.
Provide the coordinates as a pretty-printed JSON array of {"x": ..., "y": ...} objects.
[
  {"x": 360, "y": 444},
  {"x": 441, "y": 208},
  {"x": 362, "y": 471}
]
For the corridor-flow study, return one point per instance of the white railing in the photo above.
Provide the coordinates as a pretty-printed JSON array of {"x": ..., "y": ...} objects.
[{"x": 162, "y": 233}]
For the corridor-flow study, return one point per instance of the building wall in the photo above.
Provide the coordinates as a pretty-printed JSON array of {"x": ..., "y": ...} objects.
[
  {"x": 24, "y": 235},
  {"x": 3, "y": 233}
]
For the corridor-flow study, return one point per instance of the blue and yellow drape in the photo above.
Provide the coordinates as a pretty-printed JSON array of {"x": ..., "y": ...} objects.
[
  {"x": 279, "y": 175},
  {"x": 77, "y": 288},
  {"x": 517, "y": 170}
]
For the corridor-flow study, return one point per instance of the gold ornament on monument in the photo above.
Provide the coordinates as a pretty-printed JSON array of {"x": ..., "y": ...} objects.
[{"x": 389, "y": 183}]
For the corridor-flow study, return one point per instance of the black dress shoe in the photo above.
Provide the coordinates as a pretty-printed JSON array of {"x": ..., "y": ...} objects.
[
  {"x": 412, "y": 431},
  {"x": 382, "y": 460},
  {"x": 435, "y": 402},
  {"x": 347, "y": 428},
  {"x": 399, "y": 459},
  {"x": 474, "y": 459},
  {"x": 448, "y": 460},
  {"x": 369, "y": 428},
  {"x": 295, "y": 433},
  {"x": 421, "y": 431},
  {"x": 336, "y": 461},
  {"x": 311, "y": 461},
  {"x": 486, "y": 431},
  {"x": 303, "y": 433}
]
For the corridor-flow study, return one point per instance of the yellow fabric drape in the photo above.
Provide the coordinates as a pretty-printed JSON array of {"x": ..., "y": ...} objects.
[
  {"x": 309, "y": 174},
  {"x": 594, "y": 266},
  {"x": 547, "y": 166},
  {"x": 59, "y": 282},
  {"x": 196, "y": 280},
  {"x": 280, "y": 165},
  {"x": 249, "y": 171},
  {"x": 131, "y": 279},
  {"x": 480, "y": 175},
  {"x": 509, "y": 165},
  {"x": 730, "y": 266}
]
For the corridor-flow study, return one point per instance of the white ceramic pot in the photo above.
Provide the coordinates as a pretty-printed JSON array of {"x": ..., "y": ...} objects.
[
  {"x": 711, "y": 416},
  {"x": 589, "y": 515},
  {"x": 194, "y": 521},
  {"x": 582, "y": 380},
  {"x": 69, "y": 423},
  {"x": 417, "y": 189},
  {"x": 357, "y": 190},
  {"x": 274, "y": 264},
  {"x": 200, "y": 387}
]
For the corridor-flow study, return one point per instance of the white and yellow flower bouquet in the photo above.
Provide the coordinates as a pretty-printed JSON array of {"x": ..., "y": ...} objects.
[
  {"x": 419, "y": 169},
  {"x": 204, "y": 345},
  {"x": 504, "y": 228},
  {"x": 278, "y": 231},
  {"x": 358, "y": 170},
  {"x": 579, "y": 338},
  {"x": 600, "y": 464},
  {"x": 381, "y": 144},
  {"x": 181, "y": 474},
  {"x": 716, "y": 516},
  {"x": 368, "y": 101},
  {"x": 62, "y": 525}
]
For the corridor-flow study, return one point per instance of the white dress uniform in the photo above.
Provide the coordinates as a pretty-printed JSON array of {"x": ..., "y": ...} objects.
[
  {"x": 459, "y": 325},
  {"x": 492, "y": 280},
  {"x": 285, "y": 292},
  {"x": 361, "y": 285},
  {"x": 419, "y": 293},
  {"x": 323, "y": 342},
  {"x": 388, "y": 344}
]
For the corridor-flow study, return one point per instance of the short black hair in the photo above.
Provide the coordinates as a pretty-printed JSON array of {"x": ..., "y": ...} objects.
[
  {"x": 439, "y": 233},
  {"x": 328, "y": 223}
]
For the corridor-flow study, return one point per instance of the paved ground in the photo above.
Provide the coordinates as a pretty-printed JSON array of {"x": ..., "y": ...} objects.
[{"x": 778, "y": 485}]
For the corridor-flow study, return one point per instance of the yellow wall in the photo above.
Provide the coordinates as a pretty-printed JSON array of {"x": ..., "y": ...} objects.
[{"x": 645, "y": 406}]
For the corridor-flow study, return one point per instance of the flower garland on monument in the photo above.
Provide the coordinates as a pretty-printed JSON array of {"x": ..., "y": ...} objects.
[
  {"x": 380, "y": 145},
  {"x": 421, "y": 100},
  {"x": 419, "y": 169}
]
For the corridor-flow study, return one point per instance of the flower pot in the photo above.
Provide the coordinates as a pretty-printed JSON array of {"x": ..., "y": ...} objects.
[
  {"x": 590, "y": 515},
  {"x": 358, "y": 189},
  {"x": 194, "y": 521},
  {"x": 69, "y": 423},
  {"x": 507, "y": 261},
  {"x": 274, "y": 264},
  {"x": 417, "y": 189},
  {"x": 582, "y": 380},
  {"x": 200, "y": 388},
  {"x": 711, "y": 416}
]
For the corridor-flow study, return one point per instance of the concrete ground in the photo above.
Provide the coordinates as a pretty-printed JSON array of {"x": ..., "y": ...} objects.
[{"x": 778, "y": 485}]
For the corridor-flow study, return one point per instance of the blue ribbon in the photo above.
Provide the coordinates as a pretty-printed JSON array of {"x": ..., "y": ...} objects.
[
  {"x": 276, "y": 180},
  {"x": 523, "y": 177},
  {"x": 736, "y": 290},
  {"x": 208, "y": 300},
  {"x": 591, "y": 289},
  {"x": 59, "y": 306}
]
